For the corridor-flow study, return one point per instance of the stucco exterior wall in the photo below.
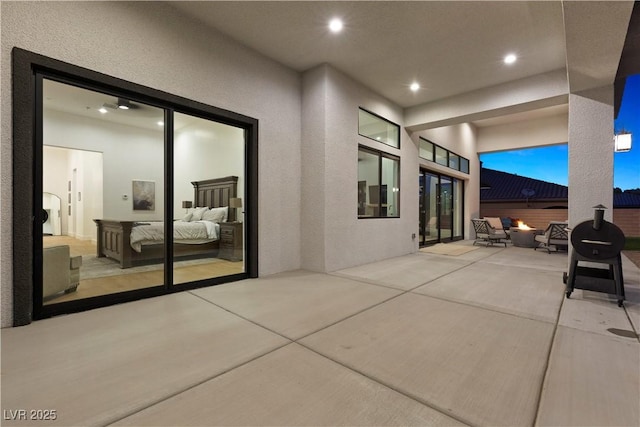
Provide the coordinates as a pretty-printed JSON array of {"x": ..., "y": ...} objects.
[
  {"x": 529, "y": 133},
  {"x": 590, "y": 153},
  {"x": 330, "y": 176},
  {"x": 462, "y": 140},
  {"x": 150, "y": 43}
]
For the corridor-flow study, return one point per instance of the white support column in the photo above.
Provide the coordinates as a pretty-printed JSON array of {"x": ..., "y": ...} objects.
[{"x": 590, "y": 153}]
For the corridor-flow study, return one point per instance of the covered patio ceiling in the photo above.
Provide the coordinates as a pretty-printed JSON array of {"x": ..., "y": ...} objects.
[{"x": 454, "y": 50}]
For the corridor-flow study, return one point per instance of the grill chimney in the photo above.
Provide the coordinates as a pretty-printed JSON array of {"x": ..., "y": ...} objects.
[{"x": 598, "y": 216}]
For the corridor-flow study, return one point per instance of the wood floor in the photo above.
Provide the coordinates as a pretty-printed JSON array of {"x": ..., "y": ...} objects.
[{"x": 134, "y": 280}]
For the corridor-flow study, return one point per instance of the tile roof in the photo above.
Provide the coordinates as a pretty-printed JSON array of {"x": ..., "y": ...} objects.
[
  {"x": 510, "y": 187},
  {"x": 626, "y": 200}
]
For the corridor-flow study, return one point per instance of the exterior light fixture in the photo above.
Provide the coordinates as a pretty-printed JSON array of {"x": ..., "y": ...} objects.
[
  {"x": 335, "y": 25},
  {"x": 510, "y": 59},
  {"x": 622, "y": 142}
]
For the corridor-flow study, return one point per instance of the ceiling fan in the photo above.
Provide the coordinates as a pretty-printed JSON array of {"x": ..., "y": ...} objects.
[{"x": 121, "y": 104}]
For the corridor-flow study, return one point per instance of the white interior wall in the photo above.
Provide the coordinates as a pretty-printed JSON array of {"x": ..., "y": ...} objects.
[
  {"x": 204, "y": 152},
  {"x": 204, "y": 66},
  {"x": 54, "y": 160},
  {"x": 129, "y": 153}
]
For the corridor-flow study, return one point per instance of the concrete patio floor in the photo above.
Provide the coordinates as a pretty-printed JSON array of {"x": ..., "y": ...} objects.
[{"x": 483, "y": 338}]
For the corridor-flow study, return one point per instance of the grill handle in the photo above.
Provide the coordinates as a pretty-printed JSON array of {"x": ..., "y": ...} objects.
[{"x": 596, "y": 242}]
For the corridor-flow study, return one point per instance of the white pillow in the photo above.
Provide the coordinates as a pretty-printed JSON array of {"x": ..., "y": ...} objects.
[
  {"x": 216, "y": 214},
  {"x": 198, "y": 212},
  {"x": 187, "y": 217}
]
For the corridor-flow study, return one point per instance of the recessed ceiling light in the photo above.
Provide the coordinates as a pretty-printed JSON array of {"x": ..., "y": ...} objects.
[
  {"x": 160, "y": 123},
  {"x": 414, "y": 87},
  {"x": 102, "y": 110},
  {"x": 335, "y": 25},
  {"x": 510, "y": 58}
]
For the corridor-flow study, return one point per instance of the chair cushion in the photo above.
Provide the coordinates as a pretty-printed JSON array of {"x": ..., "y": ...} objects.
[{"x": 494, "y": 222}]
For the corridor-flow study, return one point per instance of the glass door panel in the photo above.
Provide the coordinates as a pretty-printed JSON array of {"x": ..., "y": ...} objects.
[
  {"x": 429, "y": 210},
  {"x": 209, "y": 159},
  {"x": 446, "y": 208},
  {"x": 441, "y": 208},
  {"x": 458, "y": 211},
  {"x": 102, "y": 179}
]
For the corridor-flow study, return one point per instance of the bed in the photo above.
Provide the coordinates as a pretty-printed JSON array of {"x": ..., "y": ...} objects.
[{"x": 115, "y": 237}]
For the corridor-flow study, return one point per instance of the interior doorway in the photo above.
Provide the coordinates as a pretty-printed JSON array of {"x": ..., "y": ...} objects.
[{"x": 441, "y": 208}]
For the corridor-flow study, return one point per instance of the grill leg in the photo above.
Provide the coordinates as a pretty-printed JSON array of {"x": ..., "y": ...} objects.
[
  {"x": 571, "y": 280},
  {"x": 619, "y": 281}
]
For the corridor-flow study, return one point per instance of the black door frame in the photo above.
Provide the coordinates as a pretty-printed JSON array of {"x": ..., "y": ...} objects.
[
  {"x": 422, "y": 223},
  {"x": 27, "y": 72}
]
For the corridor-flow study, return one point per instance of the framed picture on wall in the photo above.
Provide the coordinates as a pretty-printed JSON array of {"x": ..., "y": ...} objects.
[{"x": 144, "y": 195}]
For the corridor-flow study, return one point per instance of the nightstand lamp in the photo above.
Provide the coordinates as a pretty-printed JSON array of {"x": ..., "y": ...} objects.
[
  {"x": 187, "y": 204},
  {"x": 235, "y": 202}
]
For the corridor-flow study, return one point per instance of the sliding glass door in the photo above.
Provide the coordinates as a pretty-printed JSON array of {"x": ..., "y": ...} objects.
[
  {"x": 124, "y": 192},
  {"x": 440, "y": 208},
  {"x": 103, "y": 158}
]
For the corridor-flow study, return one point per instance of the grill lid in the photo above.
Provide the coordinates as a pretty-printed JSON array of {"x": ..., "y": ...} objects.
[{"x": 604, "y": 243}]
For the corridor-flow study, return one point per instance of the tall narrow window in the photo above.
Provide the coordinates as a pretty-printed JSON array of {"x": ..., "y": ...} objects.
[{"x": 378, "y": 184}]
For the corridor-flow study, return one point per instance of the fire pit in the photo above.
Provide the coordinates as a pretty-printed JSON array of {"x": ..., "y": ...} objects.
[{"x": 523, "y": 236}]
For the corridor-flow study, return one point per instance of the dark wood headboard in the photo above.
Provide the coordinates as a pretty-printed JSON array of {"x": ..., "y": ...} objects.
[{"x": 215, "y": 193}]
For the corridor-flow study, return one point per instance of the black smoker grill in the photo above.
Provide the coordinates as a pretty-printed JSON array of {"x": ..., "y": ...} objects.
[{"x": 596, "y": 241}]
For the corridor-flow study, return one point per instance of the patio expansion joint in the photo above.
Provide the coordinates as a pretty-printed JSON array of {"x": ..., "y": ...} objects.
[
  {"x": 209, "y": 378},
  {"x": 193, "y": 386},
  {"x": 392, "y": 387},
  {"x": 242, "y": 317},
  {"x": 633, "y": 328},
  {"x": 547, "y": 362},
  {"x": 362, "y": 280},
  {"x": 493, "y": 310}
]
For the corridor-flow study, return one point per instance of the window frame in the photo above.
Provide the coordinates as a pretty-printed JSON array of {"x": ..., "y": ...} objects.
[
  {"x": 397, "y": 126},
  {"x": 381, "y": 154},
  {"x": 461, "y": 159},
  {"x": 28, "y": 71}
]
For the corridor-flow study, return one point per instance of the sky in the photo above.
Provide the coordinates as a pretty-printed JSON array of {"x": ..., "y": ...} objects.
[{"x": 551, "y": 163}]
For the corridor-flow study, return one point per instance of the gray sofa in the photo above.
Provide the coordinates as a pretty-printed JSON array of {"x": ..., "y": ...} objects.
[{"x": 60, "y": 271}]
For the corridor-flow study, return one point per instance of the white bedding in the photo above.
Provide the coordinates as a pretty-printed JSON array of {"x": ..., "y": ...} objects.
[{"x": 194, "y": 232}]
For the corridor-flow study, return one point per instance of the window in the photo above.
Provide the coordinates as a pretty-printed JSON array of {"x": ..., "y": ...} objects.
[
  {"x": 378, "y": 184},
  {"x": 426, "y": 150},
  {"x": 434, "y": 153},
  {"x": 454, "y": 161},
  {"x": 377, "y": 128},
  {"x": 464, "y": 165},
  {"x": 441, "y": 156}
]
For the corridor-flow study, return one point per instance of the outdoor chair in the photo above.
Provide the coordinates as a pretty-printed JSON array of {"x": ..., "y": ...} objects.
[
  {"x": 498, "y": 225},
  {"x": 555, "y": 235},
  {"x": 487, "y": 234}
]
